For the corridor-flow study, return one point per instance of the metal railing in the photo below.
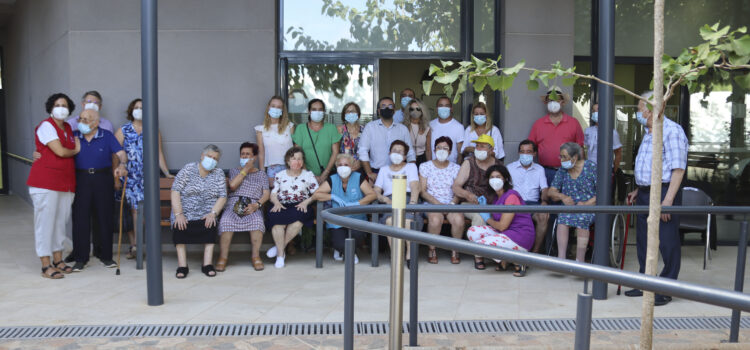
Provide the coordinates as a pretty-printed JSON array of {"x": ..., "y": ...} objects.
[
  {"x": 22, "y": 159},
  {"x": 735, "y": 300}
]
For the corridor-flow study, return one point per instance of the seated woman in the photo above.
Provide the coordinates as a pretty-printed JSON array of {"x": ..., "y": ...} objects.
[
  {"x": 249, "y": 190},
  {"x": 436, "y": 179},
  {"x": 345, "y": 188},
  {"x": 574, "y": 184},
  {"x": 199, "y": 192},
  {"x": 507, "y": 230},
  {"x": 291, "y": 194},
  {"x": 384, "y": 182}
]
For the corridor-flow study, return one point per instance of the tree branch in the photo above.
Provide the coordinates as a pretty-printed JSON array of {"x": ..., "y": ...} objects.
[{"x": 591, "y": 77}]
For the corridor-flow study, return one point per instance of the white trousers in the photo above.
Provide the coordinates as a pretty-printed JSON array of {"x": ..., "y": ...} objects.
[{"x": 51, "y": 213}]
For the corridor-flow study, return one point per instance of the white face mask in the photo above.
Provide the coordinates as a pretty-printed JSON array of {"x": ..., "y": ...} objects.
[
  {"x": 481, "y": 155},
  {"x": 138, "y": 114},
  {"x": 553, "y": 106},
  {"x": 317, "y": 116},
  {"x": 91, "y": 105},
  {"x": 396, "y": 158},
  {"x": 344, "y": 171},
  {"x": 442, "y": 155},
  {"x": 60, "y": 113},
  {"x": 496, "y": 183}
]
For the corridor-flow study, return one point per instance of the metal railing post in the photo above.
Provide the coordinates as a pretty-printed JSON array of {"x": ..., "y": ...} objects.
[
  {"x": 374, "y": 246},
  {"x": 398, "y": 210},
  {"x": 583, "y": 321},
  {"x": 739, "y": 280},
  {"x": 414, "y": 294},
  {"x": 318, "y": 235},
  {"x": 349, "y": 293}
]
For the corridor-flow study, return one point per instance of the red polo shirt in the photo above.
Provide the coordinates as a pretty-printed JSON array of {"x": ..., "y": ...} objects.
[{"x": 549, "y": 137}]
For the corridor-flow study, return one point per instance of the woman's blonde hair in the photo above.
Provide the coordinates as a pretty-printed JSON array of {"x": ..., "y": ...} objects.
[
  {"x": 344, "y": 155},
  {"x": 283, "y": 121},
  {"x": 424, "y": 120},
  {"x": 487, "y": 124}
]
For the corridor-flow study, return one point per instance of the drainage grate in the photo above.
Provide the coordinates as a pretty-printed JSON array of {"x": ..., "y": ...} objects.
[{"x": 360, "y": 328}]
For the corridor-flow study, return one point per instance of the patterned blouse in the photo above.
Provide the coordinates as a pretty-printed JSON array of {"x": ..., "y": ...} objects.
[
  {"x": 349, "y": 144},
  {"x": 198, "y": 194},
  {"x": 294, "y": 189}
]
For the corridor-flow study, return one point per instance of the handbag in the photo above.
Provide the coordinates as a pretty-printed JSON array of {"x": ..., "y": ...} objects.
[{"x": 241, "y": 205}]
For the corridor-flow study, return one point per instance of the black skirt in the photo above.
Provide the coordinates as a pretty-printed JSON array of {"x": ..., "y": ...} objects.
[
  {"x": 195, "y": 233},
  {"x": 291, "y": 215}
]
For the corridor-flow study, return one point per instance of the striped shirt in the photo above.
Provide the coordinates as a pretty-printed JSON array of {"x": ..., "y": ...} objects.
[{"x": 674, "y": 154}]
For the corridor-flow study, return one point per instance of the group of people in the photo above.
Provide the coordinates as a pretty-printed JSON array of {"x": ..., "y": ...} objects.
[{"x": 292, "y": 166}]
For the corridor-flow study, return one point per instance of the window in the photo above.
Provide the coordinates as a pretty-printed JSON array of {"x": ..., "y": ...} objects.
[{"x": 484, "y": 26}]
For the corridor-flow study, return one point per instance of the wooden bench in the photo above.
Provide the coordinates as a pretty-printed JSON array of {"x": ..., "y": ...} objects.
[{"x": 165, "y": 199}]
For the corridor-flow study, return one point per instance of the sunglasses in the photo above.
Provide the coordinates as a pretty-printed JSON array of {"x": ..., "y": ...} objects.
[{"x": 412, "y": 109}]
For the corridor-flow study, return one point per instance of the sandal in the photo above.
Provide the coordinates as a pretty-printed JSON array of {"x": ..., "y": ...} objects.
[
  {"x": 131, "y": 253},
  {"x": 182, "y": 270},
  {"x": 55, "y": 275},
  {"x": 221, "y": 264},
  {"x": 432, "y": 256},
  {"x": 64, "y": 268},
  {"x": 479, "y": 264},
  {"x": 257, "y": 263},
  {"x": 520, "y": 270},
  {"x": 207, "y": 269},
  {"x": 455, "y": 258}
]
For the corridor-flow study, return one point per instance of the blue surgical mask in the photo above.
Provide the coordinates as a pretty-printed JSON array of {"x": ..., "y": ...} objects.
[
  {"x": 351, "y": 118},
  {"x": 480, "y": 119},
  {"x": 444, "y": 112},
  {"x": 566, "y": 164},
  {"x": 526, "y": 159},
  {"x": 243, "y": 161},
  {"x": 405, "y": 101},
  {"x": 275, "y": 113},
  {"x": 639, "y": 117},
  {"x": 317, "y": 116},
  {"x": 595, "y": 117},
  {"x": 208, "y": 163},
  {"x": 84, "y": 128}
]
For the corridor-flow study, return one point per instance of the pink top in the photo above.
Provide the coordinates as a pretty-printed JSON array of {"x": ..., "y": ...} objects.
[{"x": 549, "y": 137}]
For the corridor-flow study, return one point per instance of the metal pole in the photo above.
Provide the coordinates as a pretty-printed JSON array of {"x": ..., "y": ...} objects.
[
  {"x": 583, "y": 322},
  {"x": 395, "y": 317},
  {"x": 606, "y": 55},
  {"x": 349, "y": 293},
  {"x": 739, "y": 280},
  {"x": 374, "y": 246},
  {"x": 150, "y": 92},
  {"x": 414, "y": 294},
  {"x": 318, "y": 235}
]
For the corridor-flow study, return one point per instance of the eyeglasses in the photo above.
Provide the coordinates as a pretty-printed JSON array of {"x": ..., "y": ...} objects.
[{"x": 412, "y": 109}]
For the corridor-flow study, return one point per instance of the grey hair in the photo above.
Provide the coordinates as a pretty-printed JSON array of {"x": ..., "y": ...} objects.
[
  {"x": 345, "y": 155},
  {"x": 573, "y": 149},
  {"x": 211, "y": 148},
  {"x": 647, "y": 95}
]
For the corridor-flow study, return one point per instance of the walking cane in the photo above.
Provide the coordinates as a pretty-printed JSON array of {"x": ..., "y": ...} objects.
[{"x": 119, "y": 238}]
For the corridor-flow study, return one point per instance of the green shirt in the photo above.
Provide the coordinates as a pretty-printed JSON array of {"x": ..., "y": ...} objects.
[{"x": 323, "y": 141}]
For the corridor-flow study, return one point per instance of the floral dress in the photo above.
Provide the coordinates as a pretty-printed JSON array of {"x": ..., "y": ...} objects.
[
  {"x": 291, "y": 190},
  {"x": 349, "y": 144},
  {"x": 580, "y": 189},
  {"x": 133, "y": 146}
]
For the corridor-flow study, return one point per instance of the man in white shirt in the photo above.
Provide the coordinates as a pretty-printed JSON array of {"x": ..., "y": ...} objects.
[
  {"x": 591, "y": 135},
  {"x": 376, "y": 139},
  {"x": 529, "y": 180},
  {"x": 445, "y": 125},
  {"x": 407, "y": 95}
]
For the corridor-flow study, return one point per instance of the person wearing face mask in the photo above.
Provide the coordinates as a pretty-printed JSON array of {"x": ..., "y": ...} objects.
[
  {"x": 445, "y": 125},
  {"x": 346, "y": 188},
  {"x": 248, "y": 191},
  {"x": 418, "y": 124},
  {"x": 674, "y": 163},
  {"x": 95, "y": 188},
  {"x": 377, "y": 138},
  {"x": 407, "y": 95},
  {"x": 529, "y": 180},
  {"x": 351, "y": 133},
  {"x": 574, "y": 184},
  {"x": 130, "y": 137},
  {"x": 481, "y": 124},
  {"x": 435, "y": 179},
  {"x": 291, "y": 195},
  {"x": 199, "y": 192},
  {"x": 507, "y": 230},
  {"x": 319, "y": 140},
  {"x": 554, "y": 129},
  {"x": 274, "y": 138},
  {"x": 590, "y": 136},
  {"x": 52, "y": 184},
  {"x": 92, "y": 100}
]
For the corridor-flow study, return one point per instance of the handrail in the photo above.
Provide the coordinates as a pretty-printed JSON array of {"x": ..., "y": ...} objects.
[
  {"x": 681, "y": 289},
  {"x": 604, "y": 209},
  {"x": 20, "y": 158}
]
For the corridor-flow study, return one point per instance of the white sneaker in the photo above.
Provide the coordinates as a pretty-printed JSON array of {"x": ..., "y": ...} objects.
[
  {"x": 279, "y": 262},
  {"x": 356, "y": 259},
  {"x": 337, "y": 255},
  {"x": 271, "y": 253}
]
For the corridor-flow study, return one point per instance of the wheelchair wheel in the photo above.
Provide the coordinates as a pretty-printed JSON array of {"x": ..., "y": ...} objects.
[
  {"x": 552, "y": 240},
  {"x": 617, "y": 241}
]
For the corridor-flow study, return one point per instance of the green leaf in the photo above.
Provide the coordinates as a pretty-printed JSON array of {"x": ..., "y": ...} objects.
[
  {"x": 534, "y": 74},
  {"x": 724, "y": 74},
  {"x": 742, "y": 30},
  {"x": 712, "y": 58},
  {"x": 446, "y": 63},
  {"x": 716, "y": 35},
  {"x": 448, "y": 78},
  {"x": 479, "y": 83},
  {"x": 743, "y": 81},
  {"x": 515, "y": 69},
  {"x": 569, "y": 81},
  {"x": 478, "y": 63},
  {"x": 532, "y": 84},
  {"x": 433, "y": 69},
  {"x": 427, "y": 86},
  {"x": 742, "y": 45},
  {"x": 460, "y": 89},
  {"x": 738, "y": 60},
  {"x": 465, "y": 64},
  {"x": 448, "y": 90},
  {"x": 495, "y": 82}
]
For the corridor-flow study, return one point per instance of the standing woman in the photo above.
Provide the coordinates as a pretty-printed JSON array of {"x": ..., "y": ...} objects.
[
  {"x": 248, "y": 191},
  {"x": 130, "y": 137},
  {"x": 274, "y": 138},
  {"x": 418, "y": 124},
  {"x": 350, "y": 131},
  {"x": 481, "y": 124},
  {"x": 52, "y": 184},
  {"x": 319, "y": 141}
]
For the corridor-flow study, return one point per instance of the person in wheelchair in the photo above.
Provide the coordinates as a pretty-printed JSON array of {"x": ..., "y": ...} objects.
[{"x": 574, "y": 184}]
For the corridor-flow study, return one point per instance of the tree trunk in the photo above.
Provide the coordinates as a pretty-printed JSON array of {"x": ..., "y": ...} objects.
[{"x": 654, "y": 214}]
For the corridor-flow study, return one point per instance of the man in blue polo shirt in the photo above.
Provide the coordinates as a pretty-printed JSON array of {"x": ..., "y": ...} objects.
[{"x": 95, "y": 188}]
